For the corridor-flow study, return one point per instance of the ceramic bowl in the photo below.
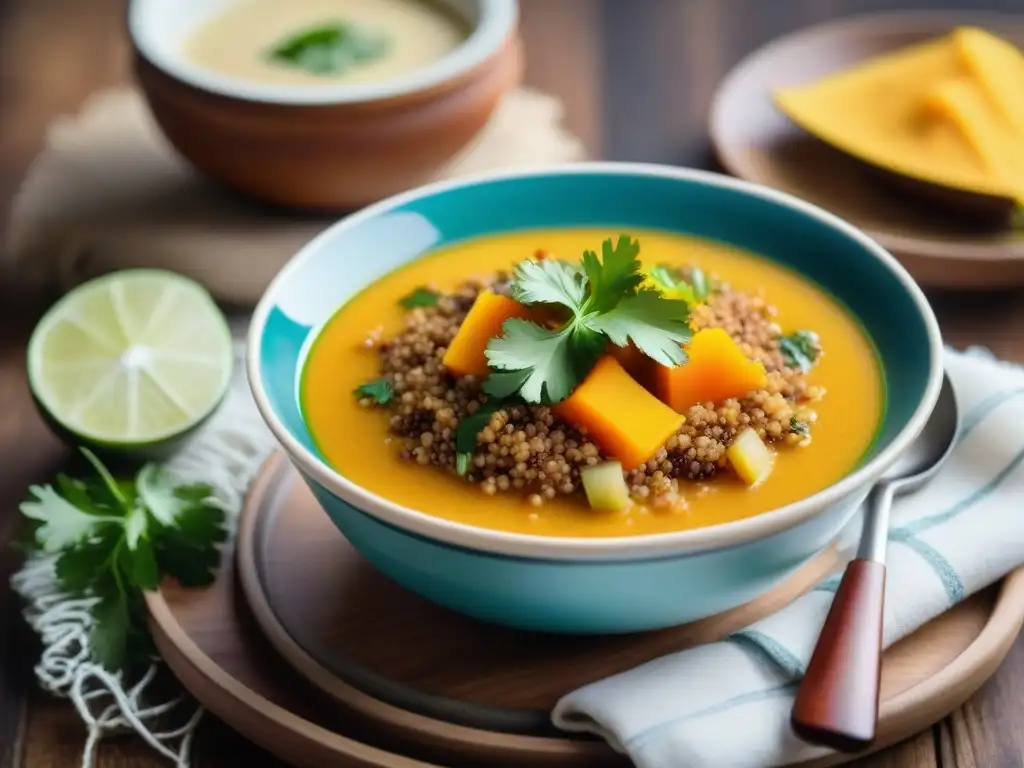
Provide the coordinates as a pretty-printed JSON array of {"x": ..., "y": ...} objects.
[
  {"x": 593, "y": 585},
  {"x": 324, "y": 147}
]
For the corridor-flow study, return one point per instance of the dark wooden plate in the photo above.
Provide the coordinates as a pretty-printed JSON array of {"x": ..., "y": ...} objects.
[
  {"x": 361, "y": 660},
  {"x": 918, "y": 223}
]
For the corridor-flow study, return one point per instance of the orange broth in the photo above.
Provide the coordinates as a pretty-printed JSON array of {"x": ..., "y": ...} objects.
[{"x": 355, "y": 442}]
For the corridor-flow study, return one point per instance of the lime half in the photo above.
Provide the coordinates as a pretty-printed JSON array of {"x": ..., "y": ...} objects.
[{"x": 131, "y": 359}]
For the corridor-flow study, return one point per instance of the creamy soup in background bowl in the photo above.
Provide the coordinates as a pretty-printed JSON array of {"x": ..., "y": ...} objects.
[
  {"x": 378, "y": 293},
  {"x": 323, "y": 104}
]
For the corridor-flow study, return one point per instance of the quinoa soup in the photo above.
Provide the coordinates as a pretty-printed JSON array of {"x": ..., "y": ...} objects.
[{"x": 780, "y": 395}]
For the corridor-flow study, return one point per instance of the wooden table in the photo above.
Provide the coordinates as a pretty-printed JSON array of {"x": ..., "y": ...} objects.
[{"x": 636, "y": 77}]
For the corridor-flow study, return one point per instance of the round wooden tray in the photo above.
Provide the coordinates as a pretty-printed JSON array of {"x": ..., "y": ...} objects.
[
  {"x": 362, "y": 662},
  {"x": 755, "y": 141}
]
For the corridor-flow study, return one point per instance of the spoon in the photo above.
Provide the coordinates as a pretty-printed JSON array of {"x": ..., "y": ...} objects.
[{"x": 837, "y": 703}]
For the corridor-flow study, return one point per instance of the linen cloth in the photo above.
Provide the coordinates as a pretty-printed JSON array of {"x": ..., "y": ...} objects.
[
  {"x": 108, "y": 192},
  {"x": 728, "y": 703}
]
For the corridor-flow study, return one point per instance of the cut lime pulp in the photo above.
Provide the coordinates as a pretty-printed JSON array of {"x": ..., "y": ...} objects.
[{"x": 131, "y": 359}]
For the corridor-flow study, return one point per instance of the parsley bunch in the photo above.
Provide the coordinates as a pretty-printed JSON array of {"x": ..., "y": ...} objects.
[
  {"x": 604, "y": 303},
  {"x": 115, "y": 538}
]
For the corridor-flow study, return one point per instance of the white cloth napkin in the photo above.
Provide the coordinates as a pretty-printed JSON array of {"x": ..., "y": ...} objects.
[{"x": 728, "y": 703}]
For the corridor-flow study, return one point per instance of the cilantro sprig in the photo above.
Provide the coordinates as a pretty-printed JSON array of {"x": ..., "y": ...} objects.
[
  {"x": 800, "y": 349},
  {"x": 605, "y": 303},
  {"x": 114, "y": 539},
  {"x": 420, "y": 297},
  {"x": 379, "y": 391}
]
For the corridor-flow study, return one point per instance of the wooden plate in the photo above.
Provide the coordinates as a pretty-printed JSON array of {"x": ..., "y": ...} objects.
[
  {"x": 384, "y": 666},
  {"x": 755, "y": 141}
]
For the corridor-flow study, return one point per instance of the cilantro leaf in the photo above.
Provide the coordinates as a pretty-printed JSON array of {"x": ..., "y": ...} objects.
[
  {"x": 62, "y": 523},
  {"x": 379, "y": 390},
  {"x": 115, "y": 538},
  {"x": 656, "y": 326},
  {"x": 419, "y": 297},
  {"x": 615, "y": 276},
  {"x": 544, "y": 355},
  {"x": 77, "y": 566},
  {"x": 189, "y": 524},
  {"x": 109, "y": 634},
  {"x": 548, "y": 281},
  {"x": 547, "y": 365},
  {"x": 330, "y": 49},
  {"x": 542, "y": 364},
  {"x": 798, "y": 427},
  {"x": 800, "y": 349}
]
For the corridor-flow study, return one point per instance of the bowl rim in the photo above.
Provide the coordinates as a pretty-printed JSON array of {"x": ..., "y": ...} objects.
[
  {"x": 497, "y": 21},
  {"x": 648, "y": 546}
]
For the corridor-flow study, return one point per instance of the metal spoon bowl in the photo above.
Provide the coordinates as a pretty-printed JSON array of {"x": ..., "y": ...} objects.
[{"x": 837, "y": 702}]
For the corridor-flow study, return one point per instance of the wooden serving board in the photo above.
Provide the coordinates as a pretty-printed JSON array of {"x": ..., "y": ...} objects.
[{"x": 361, "y": 663}]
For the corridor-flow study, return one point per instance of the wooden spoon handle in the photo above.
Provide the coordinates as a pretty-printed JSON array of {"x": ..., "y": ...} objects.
[{"x": 837, "y": 703}]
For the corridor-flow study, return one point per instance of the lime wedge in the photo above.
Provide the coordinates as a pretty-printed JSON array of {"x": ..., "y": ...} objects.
[{"x": 131, "y": 359}]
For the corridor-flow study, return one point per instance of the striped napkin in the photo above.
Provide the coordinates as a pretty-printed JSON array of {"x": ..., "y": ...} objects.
[{"x": 728, "y": 703}]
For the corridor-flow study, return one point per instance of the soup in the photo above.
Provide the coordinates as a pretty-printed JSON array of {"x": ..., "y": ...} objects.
[
  {"x": 309, "y": 42},
  {"x": 780, "y": 397}
]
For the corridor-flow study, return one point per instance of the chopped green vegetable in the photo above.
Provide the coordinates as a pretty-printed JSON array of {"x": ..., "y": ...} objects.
[
  {"x": 544, "y": 365},
  {"x": 750, "y": 457},
  {"x": 674, "y": 287},
  {"x": 420, "y": 297},
  {"x": 330, "y": 49},
  {"x": 800, "y": 349},
  {"x": 114, "y": 539},
  {"x": 605, "y": 486},
  {"x": 378, "y": 390},
  {"x": 798, "y": 427}
]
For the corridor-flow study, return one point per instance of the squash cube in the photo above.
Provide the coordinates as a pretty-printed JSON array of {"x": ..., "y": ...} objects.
[
  {"x": 624, "y": 419},
  {"x": 716, "y": 370},
  {"x": 465, "y": 355}
]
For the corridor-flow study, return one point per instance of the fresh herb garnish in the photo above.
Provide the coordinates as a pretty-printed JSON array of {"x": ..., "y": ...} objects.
[
  {"x": 330, "y": 49},
  {"x": 115, "y": 539},
  {"x": 419, "y": 297},
  {"x": 800, "y": 349},
  {"x": 696, "y": 290},
  {"x": 378, "y": 390},
  {"x": 605, "y": 302},
  {"x": 798, "y": 427},
  {"x": 466, "y": 432}
]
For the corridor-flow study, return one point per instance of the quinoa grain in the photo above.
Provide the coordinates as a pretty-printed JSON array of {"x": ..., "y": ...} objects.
[{"x": 525, "y": 449}]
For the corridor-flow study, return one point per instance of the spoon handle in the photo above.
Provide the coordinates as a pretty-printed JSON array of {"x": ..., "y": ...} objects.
[{"x": 837, "y": 703}]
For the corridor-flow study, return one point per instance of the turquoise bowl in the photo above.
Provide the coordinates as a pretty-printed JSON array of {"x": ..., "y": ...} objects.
[{"x": 588, "y": 585}]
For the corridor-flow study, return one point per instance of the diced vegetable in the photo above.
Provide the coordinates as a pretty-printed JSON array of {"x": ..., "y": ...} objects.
[
  {"x": 636, "y": 363},
  {"x": 750, "y": 457},
  {"x": 622, "y": 417},
  {"x": 717, "y": 370},
  {"x": 605, "y": 486},
  {"x": 465, "y": 355}
]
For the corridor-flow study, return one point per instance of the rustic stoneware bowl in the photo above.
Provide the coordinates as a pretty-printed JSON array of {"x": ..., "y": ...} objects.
[
  {"x": 325, "y": 147},
  {"x": 592, "y": 585}
]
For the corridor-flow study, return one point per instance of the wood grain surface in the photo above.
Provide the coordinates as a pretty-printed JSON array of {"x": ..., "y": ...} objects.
[
  {"x": 637, "y": 78},
  {"x": 473, "y": 693}
]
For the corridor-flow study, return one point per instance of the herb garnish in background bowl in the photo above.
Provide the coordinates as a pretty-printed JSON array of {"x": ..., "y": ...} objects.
[{"x": 330, "y": 49}]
